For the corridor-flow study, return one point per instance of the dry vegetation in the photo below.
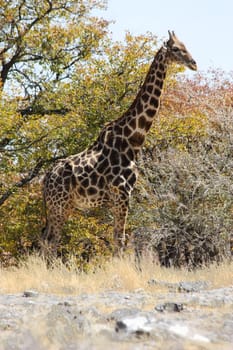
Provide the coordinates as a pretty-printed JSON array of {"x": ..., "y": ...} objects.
[{"x": 117, "y": 274}]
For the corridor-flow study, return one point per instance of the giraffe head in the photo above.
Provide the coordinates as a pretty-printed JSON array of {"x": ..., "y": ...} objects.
[{"x": 178, "y": 52}]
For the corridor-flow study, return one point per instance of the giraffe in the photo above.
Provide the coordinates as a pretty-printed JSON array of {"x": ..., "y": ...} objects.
[{"x": 105, "y": 173}]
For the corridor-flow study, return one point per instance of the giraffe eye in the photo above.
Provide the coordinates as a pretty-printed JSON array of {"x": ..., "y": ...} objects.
[{"x": 175, "y": 49}]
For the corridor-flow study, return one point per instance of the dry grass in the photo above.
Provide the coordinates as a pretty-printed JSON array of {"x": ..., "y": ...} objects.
[{"x": 117, "y": 274}]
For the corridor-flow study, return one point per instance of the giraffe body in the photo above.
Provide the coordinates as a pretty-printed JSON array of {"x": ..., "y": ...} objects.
[
  {"x": 106, "y": 172},
  {"x": 102, "y": 175}
]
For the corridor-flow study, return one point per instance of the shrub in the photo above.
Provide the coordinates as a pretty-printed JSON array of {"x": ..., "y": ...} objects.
[{"x": 193, "y": 190}]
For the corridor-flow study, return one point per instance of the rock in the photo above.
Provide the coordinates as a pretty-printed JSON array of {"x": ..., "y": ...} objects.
[
  {"x": 30, "y": 294},
  {"x": 184, "y": 286},
  {"x": 118, "y": 314},
  {"x": 189, "y": 287},
  {"x": 138, "y": 325},
  {"x": 65, "y": 303},
  {"x": 169, "y": 285},
  {"x": 174, "y": 307},
  {"x": 186, "y": 332}
]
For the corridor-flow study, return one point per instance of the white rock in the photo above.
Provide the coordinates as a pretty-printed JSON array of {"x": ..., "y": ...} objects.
[
  {"x": 184, "y": 331},
  {"x": 138, "y": 323},
  {"x": 179, "y": 330},
  {"x": 201, "y": 338}
]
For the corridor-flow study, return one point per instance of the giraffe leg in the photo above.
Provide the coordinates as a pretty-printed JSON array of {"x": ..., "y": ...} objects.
[
  {"x": 120, "y": 213},
  {"x": 51, "y": 235},
  {"x": 52, "y": 232}
]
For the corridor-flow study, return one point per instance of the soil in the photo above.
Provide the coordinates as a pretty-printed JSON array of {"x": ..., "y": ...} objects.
[{"x": 186, "y": 316}]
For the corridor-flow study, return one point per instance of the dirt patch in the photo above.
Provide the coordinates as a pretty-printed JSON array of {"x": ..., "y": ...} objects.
[{"x": 120, "y": 320}]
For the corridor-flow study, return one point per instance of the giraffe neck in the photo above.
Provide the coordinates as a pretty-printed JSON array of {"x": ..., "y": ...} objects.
[{"x": 137, "y": 121}]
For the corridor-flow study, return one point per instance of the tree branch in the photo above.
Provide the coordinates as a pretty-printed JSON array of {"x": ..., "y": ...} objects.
[
  {"x": 30, "y": 111},
  {"x": 33, "y": 173}
]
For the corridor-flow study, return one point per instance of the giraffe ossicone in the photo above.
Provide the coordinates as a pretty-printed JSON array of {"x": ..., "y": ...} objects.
[{"x": 105, "y": 173}]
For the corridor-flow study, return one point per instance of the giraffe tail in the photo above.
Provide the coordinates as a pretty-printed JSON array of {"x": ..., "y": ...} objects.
[{"x": 44, "y": 211}]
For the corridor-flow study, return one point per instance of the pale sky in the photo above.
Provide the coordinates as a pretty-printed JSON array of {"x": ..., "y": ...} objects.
[{"x": 205, "y": 26}]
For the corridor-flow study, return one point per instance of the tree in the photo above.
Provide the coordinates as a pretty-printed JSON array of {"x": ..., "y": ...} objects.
[
  {"x": 41, "y": 40},
  {"x": 59, "y": 118},
  {"x": 40, "y": 43}
]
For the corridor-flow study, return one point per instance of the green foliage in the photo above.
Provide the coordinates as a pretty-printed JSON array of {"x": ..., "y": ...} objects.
[
  {"x": 20, "y": 222},
  {"x": 178, "y": 131},
  {"x": 42, "y": 40},
  {"x": 88, "y": 237}
]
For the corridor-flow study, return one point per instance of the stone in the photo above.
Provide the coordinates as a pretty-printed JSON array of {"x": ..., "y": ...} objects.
[
  {"x": 30, "y": 293},
  {"x": 138, "y": 325},
  {"x": 118, "y": 314},
  {"x": 189, "y": 287},
  {"x": 169, "y": 306}
]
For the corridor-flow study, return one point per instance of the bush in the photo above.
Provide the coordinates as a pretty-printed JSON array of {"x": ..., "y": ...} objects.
[{"x": 193, "y": 189}]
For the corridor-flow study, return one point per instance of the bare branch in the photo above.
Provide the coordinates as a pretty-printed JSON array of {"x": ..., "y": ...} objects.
[
  {"x": 27, "y": 179},
  {"x": 32, "y": 174}
]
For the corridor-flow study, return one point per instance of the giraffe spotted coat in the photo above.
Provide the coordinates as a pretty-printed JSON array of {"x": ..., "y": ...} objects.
[{"x": 105, "y": 173}]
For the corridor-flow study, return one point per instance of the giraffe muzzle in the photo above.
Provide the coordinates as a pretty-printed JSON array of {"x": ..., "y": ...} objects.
[{"x": 192, "y": 65}]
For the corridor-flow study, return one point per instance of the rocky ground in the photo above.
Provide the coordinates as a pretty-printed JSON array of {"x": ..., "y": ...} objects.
[{"x": 186, "y": 316}]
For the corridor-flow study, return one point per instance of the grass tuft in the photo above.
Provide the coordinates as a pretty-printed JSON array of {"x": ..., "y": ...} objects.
[{"x": 116, "y": 274}]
